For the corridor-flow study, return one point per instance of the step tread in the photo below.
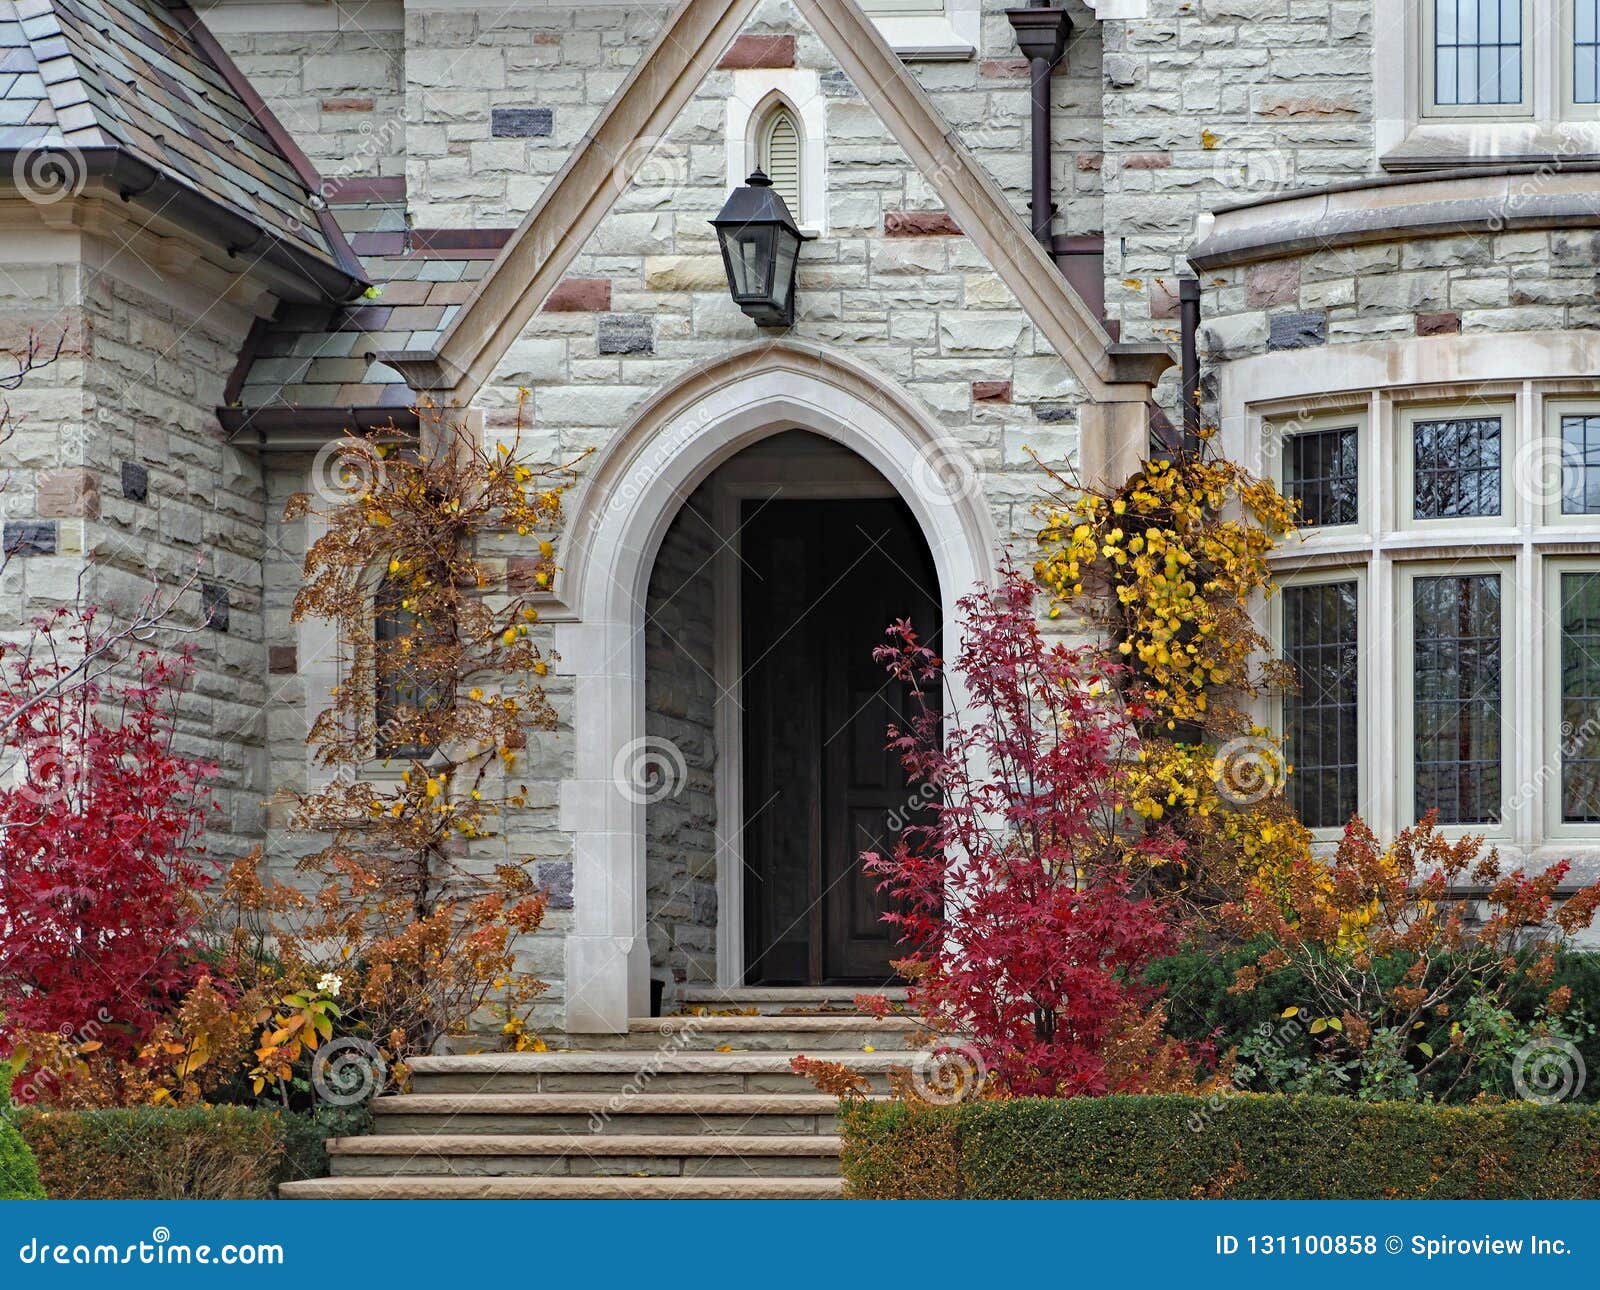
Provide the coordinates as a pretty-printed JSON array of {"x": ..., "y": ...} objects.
[
  {"x": 547, "y": 1144},
  {"x": 628, "y": 1062},
  {"x": 564, "y": 1188},
  {"x": 771, "y": 1023},
  {"x": 610, "y": 1102},
  {"x": 784, "y": 994}
]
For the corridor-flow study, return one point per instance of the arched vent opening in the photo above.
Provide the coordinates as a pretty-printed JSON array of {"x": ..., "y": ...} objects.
[{"x": 779, "y": 156}]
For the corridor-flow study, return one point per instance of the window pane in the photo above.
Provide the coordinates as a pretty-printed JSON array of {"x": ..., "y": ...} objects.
[
  {"x": 1478, "y": 51},
  {"x": 1456, "y": 697},
  {"x": 403, "y": 689},
  {"x": 1586, "y": 51},
  {"x": 1580, "y": 465},
  {"x": 1319, "y": 722},
  {"x": 1319, "y": 472},
  {"x": 1580, "y": 697},
  {"x": 1457, "y": 467}
]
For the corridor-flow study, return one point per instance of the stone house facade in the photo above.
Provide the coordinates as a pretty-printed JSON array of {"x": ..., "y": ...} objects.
[{"x": 282, "y": 219}]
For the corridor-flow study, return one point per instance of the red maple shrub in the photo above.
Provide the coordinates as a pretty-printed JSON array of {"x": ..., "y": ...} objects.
[
  {"x": 100, "y": 862},
  {"x": 1016, "y": 890}
]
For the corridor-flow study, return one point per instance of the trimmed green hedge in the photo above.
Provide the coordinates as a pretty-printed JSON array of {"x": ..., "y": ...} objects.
[
  {"x": 1241, "y": 1147},
  {"x": 195, "y": 1152}
]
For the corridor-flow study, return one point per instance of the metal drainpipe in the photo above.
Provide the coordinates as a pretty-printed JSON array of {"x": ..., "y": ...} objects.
[
  {"x": 1189, "y": 322},
  {"x": 1042, "y": 36}
]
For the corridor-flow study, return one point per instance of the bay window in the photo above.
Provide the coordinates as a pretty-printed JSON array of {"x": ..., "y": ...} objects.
[{"x": 1440, "y": 606}]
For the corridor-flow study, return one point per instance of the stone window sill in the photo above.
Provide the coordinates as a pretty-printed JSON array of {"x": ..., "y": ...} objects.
[
  {"x": 942, "y": 37},
  {"x": 1432, "y": 145}
]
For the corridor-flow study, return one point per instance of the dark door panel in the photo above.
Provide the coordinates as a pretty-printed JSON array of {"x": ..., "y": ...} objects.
[{"x": 822, "y": 581}]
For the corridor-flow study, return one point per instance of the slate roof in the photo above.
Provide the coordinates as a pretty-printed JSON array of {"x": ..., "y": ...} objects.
[
  {"x": 316, "y": 357},
  {"x": 149, "y": 80}
]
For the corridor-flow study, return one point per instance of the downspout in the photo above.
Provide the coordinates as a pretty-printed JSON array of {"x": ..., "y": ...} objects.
[
  {"x": 1189, "y": 323},
  {"x": 1042, "y": 36}
]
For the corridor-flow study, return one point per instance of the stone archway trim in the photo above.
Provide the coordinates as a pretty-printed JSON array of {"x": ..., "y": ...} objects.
[{"x": 618, "y": 522}]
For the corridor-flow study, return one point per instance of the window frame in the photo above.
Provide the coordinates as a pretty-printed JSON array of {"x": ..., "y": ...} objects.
[
  {"x": 1406, "y": 417},
  {"x": 1571, "y": 109},
  {"x": 1549, "y": 512},
  {"x": 1405, "y": 575},
  {"x": 1322, "y": 577},
  {"x": 1522, "y": 110},
  {"x": 1277, "y": 461},
  {"x": 1553, "y": 826}
]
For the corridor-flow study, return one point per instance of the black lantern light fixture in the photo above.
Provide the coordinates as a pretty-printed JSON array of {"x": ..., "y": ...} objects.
[{"x": 760, "y": 251}]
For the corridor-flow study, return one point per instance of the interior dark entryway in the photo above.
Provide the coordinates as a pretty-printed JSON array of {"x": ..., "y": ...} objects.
[{"x": 821, "y": 580}]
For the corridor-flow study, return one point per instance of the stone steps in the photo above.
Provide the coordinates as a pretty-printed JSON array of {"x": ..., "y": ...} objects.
[
  {"x": 689, "y": 1106},
  {"x": 600, "y": 1113},
  {"x": 763, "y": 1033},
  {"x": 780, "y": 1000},
  {"x": 628, "y": 1073},
  {"x": 558, "y": 1155},
  {"x": 412, "y": 1188}
]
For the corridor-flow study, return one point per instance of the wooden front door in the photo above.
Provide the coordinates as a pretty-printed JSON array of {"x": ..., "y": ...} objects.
[{"x": 821, "y": 582}]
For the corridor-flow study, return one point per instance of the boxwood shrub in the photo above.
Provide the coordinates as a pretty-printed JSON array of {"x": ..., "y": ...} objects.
[
  {"x": 1242, "y": 1147},
  {"x": 195, "y": 1152}
]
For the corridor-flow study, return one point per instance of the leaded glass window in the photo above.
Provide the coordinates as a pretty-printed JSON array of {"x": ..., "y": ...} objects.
[
  {"x": 1456, "y": 469},
  {"x": 1586, "y": 51},
  {"x": 1319, "y": 719},
  {"x": 1477, "y": 50},
  {"x": 1580, "y": 464},
  {"x": 1457, "y": 665},
  {"x": 1319, "y": 472},
  {"x": 1580, "y": 697}
]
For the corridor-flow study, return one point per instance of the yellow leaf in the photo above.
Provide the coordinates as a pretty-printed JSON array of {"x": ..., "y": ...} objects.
[{"x": 1208, "y": 140}]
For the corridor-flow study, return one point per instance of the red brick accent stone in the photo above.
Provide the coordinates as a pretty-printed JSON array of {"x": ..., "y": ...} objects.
[
  {"x": 1438, "y": 324},
  {"x": 547, "y": 38},
  {"x": 1273, "y": 284},
  {"x": 522, "y": 574},
  {"x": 1003, "y": 68},
  {"x": 919, "y": 224},
  {"x": 282, "y": 660},
  {"x": 1311, "y": 107},
  {"x": 991, "y": 391},
  {"x": 580, "y": 296},
  {"x": 348, "y": 105},
  {"x": 1090, "y": 161},
  {"x": 68, "y": 492},
  {"x": 1147, "y": 161},
  {"x": 759, "y": 51}
]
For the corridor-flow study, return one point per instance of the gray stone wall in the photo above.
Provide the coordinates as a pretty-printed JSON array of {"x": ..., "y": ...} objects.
[
  {"x": 680, "y": 706},
  {"x": 1209, "y": 102},
  {"x": 925, "y": 310},
  {"x": 119, "y": 480},
  {"x": 1493, "y": 282},
  {"x": 339, "y": 94}
]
